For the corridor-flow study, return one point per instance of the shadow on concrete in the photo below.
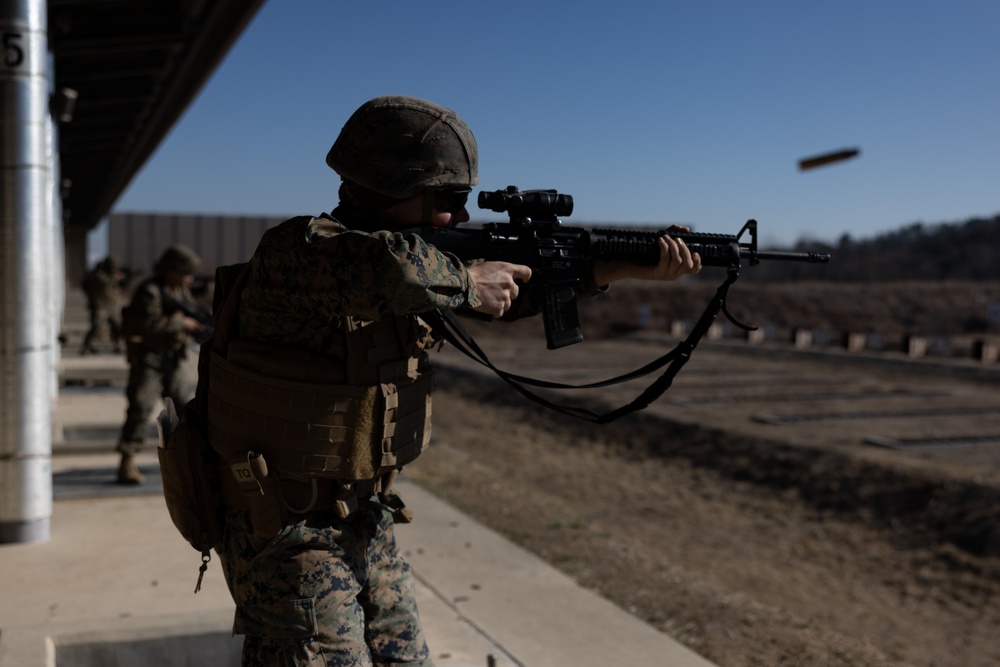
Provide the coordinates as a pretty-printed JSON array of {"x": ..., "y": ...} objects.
[{"x": 80, "y": 483}]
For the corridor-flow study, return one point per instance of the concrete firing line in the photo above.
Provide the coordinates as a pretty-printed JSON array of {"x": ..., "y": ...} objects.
[
  {"x": 810, "y": 397},
  {"x": 768, "y": 418}
]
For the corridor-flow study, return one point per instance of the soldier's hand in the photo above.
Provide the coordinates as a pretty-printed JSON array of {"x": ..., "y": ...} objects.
[
  {"x": 191, "y": 325},
  {"x": 497, "y": 285},
  {"x": 676, "y": 260}
]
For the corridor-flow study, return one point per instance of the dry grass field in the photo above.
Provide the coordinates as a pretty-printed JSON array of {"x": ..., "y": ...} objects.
[{"x": 777, "y": 506}]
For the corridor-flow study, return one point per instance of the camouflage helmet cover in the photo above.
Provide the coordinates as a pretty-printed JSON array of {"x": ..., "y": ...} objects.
[
  {"x": 398, "y": 145},
  {"x": 178, "y": 258}
]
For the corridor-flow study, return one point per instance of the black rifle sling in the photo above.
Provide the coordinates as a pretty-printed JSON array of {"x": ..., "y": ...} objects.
[{"x": 446, "y": 325}]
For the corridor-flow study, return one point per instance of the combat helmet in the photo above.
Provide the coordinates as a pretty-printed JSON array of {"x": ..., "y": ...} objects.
[
  {"x": 397, "y": 145},
  {"x": 178, "y": 258}
]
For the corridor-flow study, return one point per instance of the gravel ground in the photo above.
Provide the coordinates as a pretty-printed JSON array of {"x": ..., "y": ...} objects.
[{"x": 754, "y": 542}]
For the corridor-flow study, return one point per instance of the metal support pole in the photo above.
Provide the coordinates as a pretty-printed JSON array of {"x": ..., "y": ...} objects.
[
  {"x": 25, "y": 288},
  {"x": 56, "y": 240}
]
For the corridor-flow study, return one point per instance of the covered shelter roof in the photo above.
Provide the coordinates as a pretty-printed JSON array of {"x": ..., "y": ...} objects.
[{"x": 131, "y": 68}]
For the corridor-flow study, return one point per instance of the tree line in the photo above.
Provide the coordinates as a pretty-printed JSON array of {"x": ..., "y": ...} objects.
[{"x": 967, "y": 251}]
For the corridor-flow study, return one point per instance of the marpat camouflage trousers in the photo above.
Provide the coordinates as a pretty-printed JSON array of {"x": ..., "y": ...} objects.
[
  {"x": 104, "y": 315},
  {"x": 325, "y": 591},
  {"x": 153, "y": 376}
]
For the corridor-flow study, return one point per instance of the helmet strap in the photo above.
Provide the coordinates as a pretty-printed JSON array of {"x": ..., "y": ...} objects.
[
  {"x": 358, "y": 196},
  {"x": 427, "y": 214}
]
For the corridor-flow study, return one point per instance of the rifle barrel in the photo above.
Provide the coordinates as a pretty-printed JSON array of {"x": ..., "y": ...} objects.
[{"x": 808, "y": 257}]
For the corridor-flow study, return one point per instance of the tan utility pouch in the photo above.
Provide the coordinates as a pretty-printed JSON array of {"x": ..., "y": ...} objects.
[
  {"x": 259, "y": 493},
  {"x": 190, "y": 487},
  {"x": 308, "y": 429}
]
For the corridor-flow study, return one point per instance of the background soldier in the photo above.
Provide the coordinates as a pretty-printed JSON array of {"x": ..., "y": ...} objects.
[
  {"x": 103, "y": 288},
  {"x": 319, "y": 388},
  {"x": 157, "y": 331}
]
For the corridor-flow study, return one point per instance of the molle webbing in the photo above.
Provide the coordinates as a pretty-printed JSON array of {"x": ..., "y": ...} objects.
[
  {"x": 372, "y": 345},
  {"x": 308, "y": 429}
]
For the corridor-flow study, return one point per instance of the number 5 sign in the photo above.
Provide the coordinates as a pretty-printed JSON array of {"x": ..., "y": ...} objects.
[
  {"x": 13, "y": 49},
  {"x": 21, "y": 50}
]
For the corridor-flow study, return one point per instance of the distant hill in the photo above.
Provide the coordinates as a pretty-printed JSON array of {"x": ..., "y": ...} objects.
[
  {"x": 967, "y": 251},
  {"x": 933, "y": 280}
]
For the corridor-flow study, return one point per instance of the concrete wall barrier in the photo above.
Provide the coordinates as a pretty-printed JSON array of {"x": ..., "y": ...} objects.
[
  {"x": 986, "y": 351},
  {"x": 855, "y": 341},
  {"x": 802, "y": 338},
  {"x": 916, "y": 346}
]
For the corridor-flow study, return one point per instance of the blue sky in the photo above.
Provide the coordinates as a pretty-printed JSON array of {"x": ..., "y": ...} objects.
[{"x": 646, "y": 112}]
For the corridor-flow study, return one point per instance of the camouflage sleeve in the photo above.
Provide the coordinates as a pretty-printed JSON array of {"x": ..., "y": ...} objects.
[
  {"x": 99, "y": 286},
  {"x": 148, "y": 306},
  {"x": 414, "y": 277},
  {"x": 316, "y": 269}
]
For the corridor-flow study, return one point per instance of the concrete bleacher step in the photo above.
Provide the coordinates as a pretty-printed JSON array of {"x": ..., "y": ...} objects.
[
  {"x": 97, "y": 439},
  {"x": 111, "y": 377},
  {"x": 93, "y": 370}
]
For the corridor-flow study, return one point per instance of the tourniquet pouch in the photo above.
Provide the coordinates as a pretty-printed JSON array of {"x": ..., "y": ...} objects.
[
  {"x": 309, "y": 429},
  {"x": 190, "y": 487}
]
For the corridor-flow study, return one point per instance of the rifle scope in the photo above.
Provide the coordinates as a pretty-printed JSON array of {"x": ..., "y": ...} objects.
[{"x": 527, "y": 203}]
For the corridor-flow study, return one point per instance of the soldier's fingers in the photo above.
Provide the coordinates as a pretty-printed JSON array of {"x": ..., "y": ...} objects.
[
  {"x": 521, "y": 272},
  {"x": 664, "y": 266},
  {"x": 677, "y": 249},
  {"x": 685, "y": 255}
]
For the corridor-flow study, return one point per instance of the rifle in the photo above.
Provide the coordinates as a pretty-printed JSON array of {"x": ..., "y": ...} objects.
[
  {"x": 558, "y": 255},
  {"x": 189, "y": 309}
]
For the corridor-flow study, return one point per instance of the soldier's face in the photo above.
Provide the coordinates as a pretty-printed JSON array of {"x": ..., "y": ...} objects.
[
  {"x": 178, "y": 279},
  {"x": 424, "y": 210}
]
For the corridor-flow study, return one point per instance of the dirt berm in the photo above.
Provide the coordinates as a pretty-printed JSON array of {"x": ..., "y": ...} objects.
[{"x": 753, "y": 544}]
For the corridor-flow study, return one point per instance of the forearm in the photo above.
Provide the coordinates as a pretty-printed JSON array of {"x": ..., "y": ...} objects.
[{"x": 155, "y": 321}]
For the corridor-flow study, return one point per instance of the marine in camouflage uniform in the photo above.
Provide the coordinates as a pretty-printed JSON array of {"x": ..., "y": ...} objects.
[
  {"x": 102, "y": 286},
  {"x": 157, "y": 336},
  {"x": 328, "y": 585}
]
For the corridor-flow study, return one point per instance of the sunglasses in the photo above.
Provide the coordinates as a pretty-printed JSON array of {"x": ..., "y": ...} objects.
[{"x": 451, "y": 200}]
